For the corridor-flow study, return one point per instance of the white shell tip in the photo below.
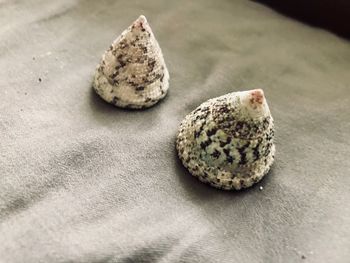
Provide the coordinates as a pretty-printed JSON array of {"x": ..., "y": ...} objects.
[
  {"x": 142, "y": 18},
  {"x": 140, "y": 22},
  {"x": 257, "y": 96},
  {"x": 254, "y": 96},
  {"x": 255, "y": 103}
]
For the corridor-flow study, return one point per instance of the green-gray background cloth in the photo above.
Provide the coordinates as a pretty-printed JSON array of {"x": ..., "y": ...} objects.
[{"x": 83, "y": 181}]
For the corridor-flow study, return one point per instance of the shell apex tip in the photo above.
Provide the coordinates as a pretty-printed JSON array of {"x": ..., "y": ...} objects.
[{"x": 142, "y": 18}]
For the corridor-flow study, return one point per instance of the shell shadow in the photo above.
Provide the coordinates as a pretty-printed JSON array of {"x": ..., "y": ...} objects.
[
  {"x": 106, "y": 113},
  {"x": 98, "y": 104},
  {"x": 218, "y": 205}
]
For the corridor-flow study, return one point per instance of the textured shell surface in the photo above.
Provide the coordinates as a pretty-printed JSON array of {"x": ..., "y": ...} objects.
[
  {"x": 227, "y": 141},
  {"x": 132, "y": 72}
]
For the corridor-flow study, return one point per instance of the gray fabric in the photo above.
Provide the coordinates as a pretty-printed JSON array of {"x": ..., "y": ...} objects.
[{"x": 83, "y": 181}]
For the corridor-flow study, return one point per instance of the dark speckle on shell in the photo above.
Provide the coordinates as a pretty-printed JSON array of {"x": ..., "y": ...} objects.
[{"x": 133, "y": 69}]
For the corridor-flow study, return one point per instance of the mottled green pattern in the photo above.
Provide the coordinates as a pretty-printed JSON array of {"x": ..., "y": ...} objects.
[{"x": 221, "y": 156}]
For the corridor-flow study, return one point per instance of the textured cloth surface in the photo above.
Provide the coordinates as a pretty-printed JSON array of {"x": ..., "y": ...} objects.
[{"x": 83, "y": 181}]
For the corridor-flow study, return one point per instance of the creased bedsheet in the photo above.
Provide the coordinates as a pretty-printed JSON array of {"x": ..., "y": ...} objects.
[{"x": 83, "y": 181}]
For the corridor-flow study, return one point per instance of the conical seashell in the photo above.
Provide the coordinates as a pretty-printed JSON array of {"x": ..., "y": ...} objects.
[
  {"x": 132, "y": 73},
  {"x": 228, "y": 141}
]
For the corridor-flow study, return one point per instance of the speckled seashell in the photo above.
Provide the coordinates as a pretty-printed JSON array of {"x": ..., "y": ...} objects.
[
  {"x": 132, "y": 73},
  {"x": 227, "y": 141}
]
